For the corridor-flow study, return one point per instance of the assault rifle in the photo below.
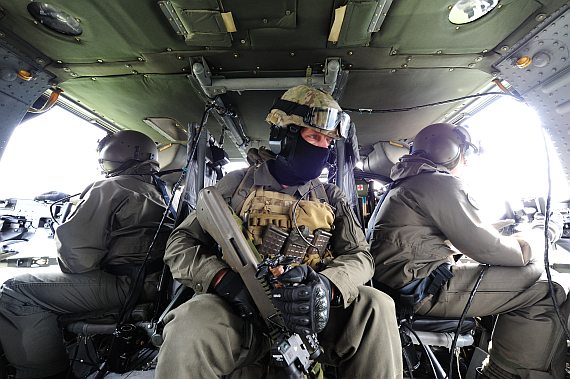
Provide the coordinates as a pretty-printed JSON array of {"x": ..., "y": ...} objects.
[{"x": 290, "y": 350}]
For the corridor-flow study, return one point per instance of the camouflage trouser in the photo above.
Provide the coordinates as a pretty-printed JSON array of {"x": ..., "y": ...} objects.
[
  {"x": 29, "y": 308},
  {"x": 528, "y": 339},
  {"x": 203, "y": 338}
]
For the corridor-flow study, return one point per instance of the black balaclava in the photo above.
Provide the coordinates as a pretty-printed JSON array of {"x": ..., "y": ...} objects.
[{"x": 304, "y": 162}]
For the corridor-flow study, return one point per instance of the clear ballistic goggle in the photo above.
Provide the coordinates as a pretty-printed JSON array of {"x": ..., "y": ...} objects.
[
  {"x": 468, "y": 150},
  {"x": 319, "y": 117}
]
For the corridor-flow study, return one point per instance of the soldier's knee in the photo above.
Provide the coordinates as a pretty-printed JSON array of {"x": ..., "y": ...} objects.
[
  {"x": 378, "y": 301},
  {"x": 198, "y": 317}
]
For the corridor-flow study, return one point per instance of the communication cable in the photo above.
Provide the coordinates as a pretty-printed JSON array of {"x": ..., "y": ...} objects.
[
  {"x": 462, "y": 318},
  {"x": 547, "y": 241},
  {"x": 370, "y": 111}
]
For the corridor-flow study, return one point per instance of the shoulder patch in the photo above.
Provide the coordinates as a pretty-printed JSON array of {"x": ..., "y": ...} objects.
[{"x": 471, "y": 199}]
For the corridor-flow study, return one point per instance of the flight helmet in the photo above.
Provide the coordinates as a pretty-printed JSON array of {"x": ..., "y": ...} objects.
[
  {"x": 306, "y": 107},
  {"x": 123, "y": 149},
  {"x": 443, "y": 144}
]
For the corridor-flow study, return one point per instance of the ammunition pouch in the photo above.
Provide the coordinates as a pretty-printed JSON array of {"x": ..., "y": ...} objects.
[{"x": 277, "y": 242}]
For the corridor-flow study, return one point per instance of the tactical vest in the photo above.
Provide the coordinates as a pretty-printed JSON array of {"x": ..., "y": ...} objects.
[{"x": 270, "y": 225}]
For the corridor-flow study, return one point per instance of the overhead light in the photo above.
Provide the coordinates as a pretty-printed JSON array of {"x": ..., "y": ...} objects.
[
  {"x": 55, "y": 19},
  {"x": 465, "y": 11}
]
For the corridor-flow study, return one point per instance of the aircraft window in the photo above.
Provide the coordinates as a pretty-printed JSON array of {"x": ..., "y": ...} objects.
[
  {"x": 54, "y": 151},
  {"x": 513, "y": 163},
  {"x": 232, "y": 166}
]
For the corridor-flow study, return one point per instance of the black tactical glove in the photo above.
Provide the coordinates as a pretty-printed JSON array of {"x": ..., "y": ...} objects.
[
  {"x": 304, "y": 307},
  {"x": 233, "y": 289}
]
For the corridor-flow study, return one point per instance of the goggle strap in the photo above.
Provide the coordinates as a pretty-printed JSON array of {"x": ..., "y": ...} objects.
[{"x": 292, "y": 108}]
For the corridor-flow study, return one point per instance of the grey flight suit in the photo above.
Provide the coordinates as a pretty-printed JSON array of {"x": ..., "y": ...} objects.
[
  {"x": 428, "y": 217},
  {"x": 113, "y": 224},
  {"x": 203, "y": 337}
]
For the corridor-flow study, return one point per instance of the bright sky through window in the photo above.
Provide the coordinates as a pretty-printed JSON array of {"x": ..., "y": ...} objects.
[
  {"x": 513, "y": 163},
  {"x": 54, "y": 151}
]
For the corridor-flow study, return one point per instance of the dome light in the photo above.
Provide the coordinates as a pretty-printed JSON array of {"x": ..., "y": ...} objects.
[
  {"x": 465, "y": 11},
  {"x": 55, "y": 19}
]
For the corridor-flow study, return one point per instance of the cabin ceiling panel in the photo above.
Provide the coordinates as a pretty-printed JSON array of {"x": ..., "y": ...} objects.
[
  {"x": 423, "y": 27},
  {"x": 127, "y": 100},
  {"x": 391, "y": 89}
]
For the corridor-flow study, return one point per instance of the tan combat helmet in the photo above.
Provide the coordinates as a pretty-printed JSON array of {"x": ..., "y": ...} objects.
[{"x": 310, "y": 108}]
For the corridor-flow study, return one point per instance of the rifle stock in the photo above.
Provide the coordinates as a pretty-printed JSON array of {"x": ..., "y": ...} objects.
[{"x": 217, "y": 220}]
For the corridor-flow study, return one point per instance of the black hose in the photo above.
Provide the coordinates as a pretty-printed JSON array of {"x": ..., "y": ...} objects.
[
  {"x": 437, "y": 369},
  {"x": 547, "y": 243},
  {"x": 462, "y": 318},
  {"x": 370, "y": 111}
]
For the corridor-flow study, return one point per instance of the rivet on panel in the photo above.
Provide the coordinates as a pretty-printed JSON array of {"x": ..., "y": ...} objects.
[
  {"x": 292, "y": 54},
  {"x": 93, "y": 78},
  {"x": 350, "y": 53},
  {"x": 236, "y": 55}
]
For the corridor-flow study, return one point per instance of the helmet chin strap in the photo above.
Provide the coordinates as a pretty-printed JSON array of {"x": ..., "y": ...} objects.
[{"x": 122, "y": 167}]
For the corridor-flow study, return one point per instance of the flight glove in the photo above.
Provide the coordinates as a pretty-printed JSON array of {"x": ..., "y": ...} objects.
[{"x": 304, "y": 300}]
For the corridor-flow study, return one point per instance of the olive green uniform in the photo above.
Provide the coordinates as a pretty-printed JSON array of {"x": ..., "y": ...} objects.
[
  {"x": 203, "y": 337},
  {"x": 113, "y": 224},
  {"x": 428, "y": 217}
]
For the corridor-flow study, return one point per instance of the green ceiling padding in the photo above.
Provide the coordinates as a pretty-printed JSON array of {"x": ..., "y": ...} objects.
[
  {"x": 121, "y": 97},
  {"x": 263, "y": 14},
  {"x": 203, "y": 22},
  {"x": 354, "y": 31},
  {"x": 423, "y": 27},
  {"x": 115, "y": 30},
  {"x": 384, "y": 89}
]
